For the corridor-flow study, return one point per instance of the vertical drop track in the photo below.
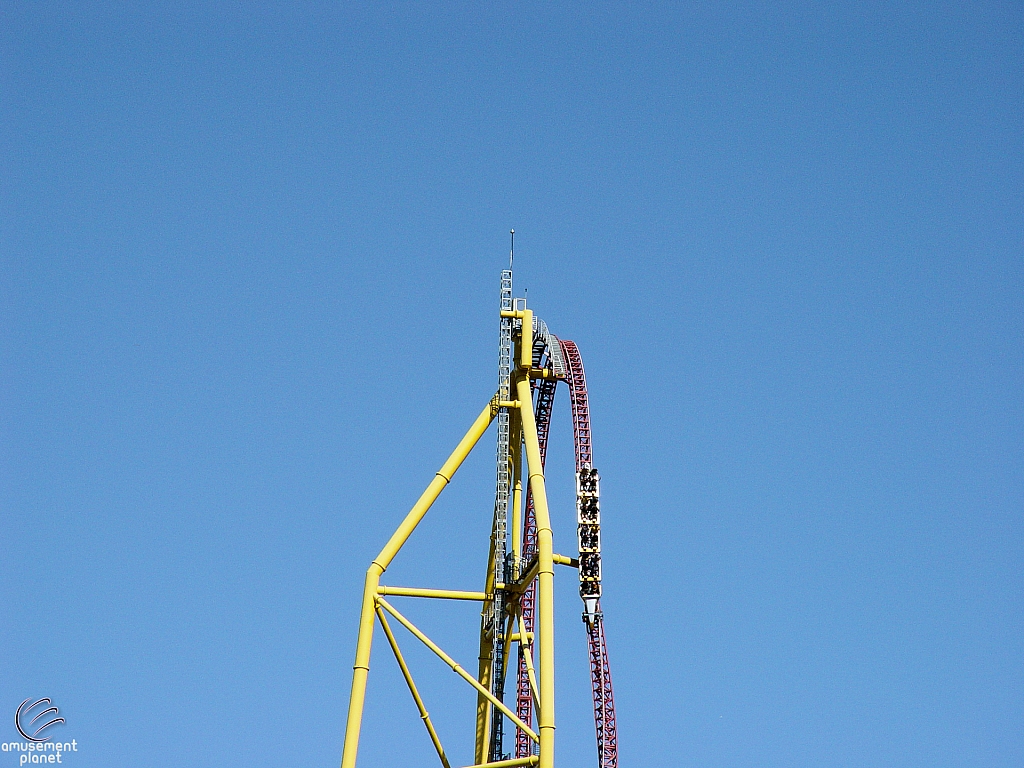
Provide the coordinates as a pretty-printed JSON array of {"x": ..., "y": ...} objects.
[{"x": 590, "y": 568}]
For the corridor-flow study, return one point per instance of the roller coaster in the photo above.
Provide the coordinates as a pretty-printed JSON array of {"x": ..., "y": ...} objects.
[{"x": 517, "y": 599}]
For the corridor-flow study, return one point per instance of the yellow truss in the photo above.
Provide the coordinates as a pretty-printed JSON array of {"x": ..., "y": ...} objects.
[{"x": 542, "y": 680}]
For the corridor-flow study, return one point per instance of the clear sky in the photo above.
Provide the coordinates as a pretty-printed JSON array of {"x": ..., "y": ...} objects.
[{"x": 249, "y": 261}]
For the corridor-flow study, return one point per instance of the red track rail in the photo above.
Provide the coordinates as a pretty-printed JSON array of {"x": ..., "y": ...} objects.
[{"x": 600, "y": 670}]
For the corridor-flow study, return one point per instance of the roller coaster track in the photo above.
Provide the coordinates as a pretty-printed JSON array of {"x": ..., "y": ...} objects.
[
  {"x": 588, "y": 512},
  {"x": 519, "y": 581}
]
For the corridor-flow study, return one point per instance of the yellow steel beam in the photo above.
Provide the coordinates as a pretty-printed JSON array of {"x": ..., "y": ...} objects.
[
  {"x": 361, "y": 667},
  {"x": 531, "y": 673},
  {"x": 516, "y": 443},
  {"x": 531, "y": 760},
  {"x": 526, "y": 349},
  {"x": 542, "y": 373},
  {"x": 531, "y": 572},
  {"x": 545, "y": 566},
  {"x": 456, "y": 667},
  {"x": 441, "y": 479},
  {"x": 507, "y": 645},
  {"x": 412, "y": 688},
  {"x": 484, "y": 659},
  {"x": 528, "y": 576},
  {"x": 443, "y": 594}
]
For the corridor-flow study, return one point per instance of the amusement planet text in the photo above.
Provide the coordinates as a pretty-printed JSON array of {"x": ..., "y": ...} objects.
[{"x": 35, "y": 753}]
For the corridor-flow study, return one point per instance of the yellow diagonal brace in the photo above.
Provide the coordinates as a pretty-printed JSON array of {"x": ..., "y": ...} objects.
[
  {"x": 457, "y": 668},
  {"x": 531, "y": 673},
  {"x": 507, "y": 643},
  {"x": 412, "y": 688},
  {"x": 441, "y": 479}
]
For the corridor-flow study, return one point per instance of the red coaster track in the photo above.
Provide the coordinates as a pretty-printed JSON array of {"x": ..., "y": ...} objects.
[{"x": 601, "y": 678}]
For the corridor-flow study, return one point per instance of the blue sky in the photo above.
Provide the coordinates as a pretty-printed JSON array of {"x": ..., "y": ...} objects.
[{"x": 250, "y": 260}]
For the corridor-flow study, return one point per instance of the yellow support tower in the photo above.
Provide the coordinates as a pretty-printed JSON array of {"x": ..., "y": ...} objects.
[{"x": 508, "y": 575}]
